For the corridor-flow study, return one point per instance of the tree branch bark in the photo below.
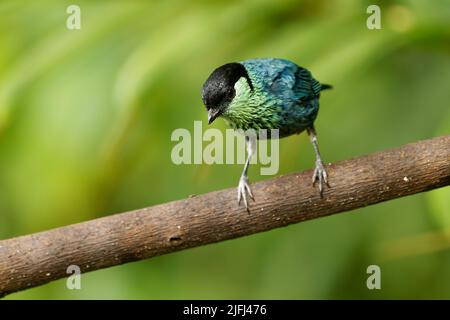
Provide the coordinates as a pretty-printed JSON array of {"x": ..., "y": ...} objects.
[{"x": 35, "y": 259}]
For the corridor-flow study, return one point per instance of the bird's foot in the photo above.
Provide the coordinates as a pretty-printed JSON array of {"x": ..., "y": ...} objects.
[
  {"x": 243, "y": 190},
  {"x": 320, "y": 175}
]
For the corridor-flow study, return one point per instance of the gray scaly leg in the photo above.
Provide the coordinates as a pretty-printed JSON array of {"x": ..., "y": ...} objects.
[
  {"x": 244, "y": 187},
  {"x": 319, "y": 172}
]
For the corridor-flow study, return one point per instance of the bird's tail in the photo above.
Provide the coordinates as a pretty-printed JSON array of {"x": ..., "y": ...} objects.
[{"x": 325, "y": 86}]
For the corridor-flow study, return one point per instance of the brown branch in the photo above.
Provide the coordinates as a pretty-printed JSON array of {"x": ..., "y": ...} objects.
[{"x": 35, "y": 259}]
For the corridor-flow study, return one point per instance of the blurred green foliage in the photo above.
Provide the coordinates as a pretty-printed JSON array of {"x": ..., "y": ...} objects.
[{"x": 86, "y": 117}]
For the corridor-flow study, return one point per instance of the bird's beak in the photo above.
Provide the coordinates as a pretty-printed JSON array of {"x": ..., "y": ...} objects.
[{"x": 212, "y": 115}]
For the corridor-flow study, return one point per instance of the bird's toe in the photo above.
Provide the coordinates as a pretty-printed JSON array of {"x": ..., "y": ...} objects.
[
  {"x": 321, "y": 176},
  {"x": 244, "y": 190}
]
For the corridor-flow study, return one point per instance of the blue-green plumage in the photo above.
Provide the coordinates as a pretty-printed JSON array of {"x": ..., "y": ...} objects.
[
  {"x": 281, "y": 96},
  {"x": 269, "y": 94},
  {"x": 289, "y": 91}
]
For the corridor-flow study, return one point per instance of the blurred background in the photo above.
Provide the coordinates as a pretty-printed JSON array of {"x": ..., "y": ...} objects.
[{"x": 86, "y": 118}]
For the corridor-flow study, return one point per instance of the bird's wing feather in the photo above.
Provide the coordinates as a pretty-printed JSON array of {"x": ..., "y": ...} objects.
[
  {"x": 284, "y": 79},
  {"x": 306, "y": 87},
  {"x": 293, "y": 82}
]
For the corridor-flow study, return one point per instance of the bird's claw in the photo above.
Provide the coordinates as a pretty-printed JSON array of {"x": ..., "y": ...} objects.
[
  {"x": 320, "y": 175},
  {"x": 243, "y": 190}
]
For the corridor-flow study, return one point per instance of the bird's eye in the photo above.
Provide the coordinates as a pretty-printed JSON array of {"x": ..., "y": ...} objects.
[{"x": 230, "y": 93}]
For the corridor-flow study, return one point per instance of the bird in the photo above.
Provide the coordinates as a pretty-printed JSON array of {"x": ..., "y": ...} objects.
[{"x": 266, "y": 93}]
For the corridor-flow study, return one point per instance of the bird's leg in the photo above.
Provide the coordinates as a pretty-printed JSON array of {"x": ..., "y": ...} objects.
[
  {"x": 319, "y": 172},
  {"x": 244, "y": 187}
]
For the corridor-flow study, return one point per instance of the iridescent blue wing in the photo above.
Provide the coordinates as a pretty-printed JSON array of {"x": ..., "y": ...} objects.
[
  {"x": 283, "y": 79},
  {"x": 306, "y": 87}
]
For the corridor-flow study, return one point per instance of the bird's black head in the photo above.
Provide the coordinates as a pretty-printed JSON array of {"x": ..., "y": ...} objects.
[{"x": 218, "y": 90}]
